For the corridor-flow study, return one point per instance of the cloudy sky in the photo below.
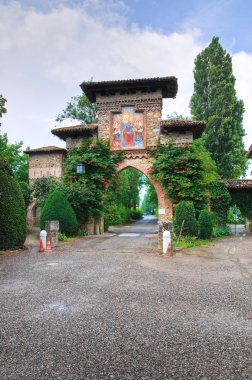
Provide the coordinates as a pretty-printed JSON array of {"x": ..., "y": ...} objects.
[{"x": 47, "y": 48}]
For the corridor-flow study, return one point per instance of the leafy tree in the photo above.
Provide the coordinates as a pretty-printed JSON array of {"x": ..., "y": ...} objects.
[
  {"x": 185, "y": 219},
  {"x": 41, "y": 188},
  {"x": 127, "y": 187},
  {"x": 58, "y": 208},
  {"x": 79, "y": 108},
  {"x": 210, "y": 171},
  {"x": 18, "y": 162},
  {"x": 214, "y": 100},
  {"x": 150, "y": 200},
  {"x": 15, "y": 157},
  {"x": 176, "y": 116},
  {"x": 2, "y": 106},
  {"x": 12, "y": 209}
]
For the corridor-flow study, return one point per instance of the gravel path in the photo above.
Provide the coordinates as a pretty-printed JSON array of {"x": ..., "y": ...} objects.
[{"x": 111, "y": 308}]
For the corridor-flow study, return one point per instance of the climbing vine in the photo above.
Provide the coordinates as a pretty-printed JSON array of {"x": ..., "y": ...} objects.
[
  {"x": 86, "y": 192},
  {"x": 181, "y": 173},
  {"x": 220, "y": 201}
]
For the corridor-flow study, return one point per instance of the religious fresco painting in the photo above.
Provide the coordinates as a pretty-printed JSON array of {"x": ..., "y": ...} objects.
[{"x": 128, "y": 129}]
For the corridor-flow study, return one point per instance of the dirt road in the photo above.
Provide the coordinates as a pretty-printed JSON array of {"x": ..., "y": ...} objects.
[{"x": 111, "y": 307}]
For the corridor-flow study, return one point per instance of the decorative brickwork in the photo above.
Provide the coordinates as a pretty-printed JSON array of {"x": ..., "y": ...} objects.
[
  {"x": 150, "y": 103},
  {"x": 137, "y": 101}
]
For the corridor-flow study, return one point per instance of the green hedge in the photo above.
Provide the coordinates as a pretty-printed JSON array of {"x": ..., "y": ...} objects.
[
  {"x": 12, "y": 210},
  {"x": 58, "y": 208},
  {"x": 185, "y": 212},
  {"x": 205, "y": 225}
]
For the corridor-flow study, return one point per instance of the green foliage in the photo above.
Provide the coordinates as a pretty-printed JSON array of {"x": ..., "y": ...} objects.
[
  {"x": 2, "y": 106},
  {"x": 181, "y": 173},
  {"x": 87, "y": 193},
  {"x": 127, "y": 184},
  {"x": 62, "y": 236},
  {"x": 214, "y": 101},
  {"x": 18, "y": 162},
  {"x": 150, "y": 200},
  {"x": 79, "y": 108},
  {"x": 82, "y": 233},
  {"x": 136, "y": 214},
  {"x": 41, "y": 188},
  {"x": 205, "y": 225},
  {"x": 185, "y": 215},
  {"x": 58, "y": 208},
  {"x": 220, "y": 231},
  {"x": 114, "y": 215},
  {"x": 235, "y": 216},
  {"x": 243, "y": 199},
  {"x": 176, "y": 116},
  {"x": 220, "y": 201},
  {"x": 210, "y": 172},
  {"x": 12, "y": 209}
]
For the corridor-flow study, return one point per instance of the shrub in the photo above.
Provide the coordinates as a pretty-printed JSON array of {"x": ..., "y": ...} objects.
[
  {"x": 136, "y": 214},
  {"x": 185, "y": 212},
  {"x": 221, "y": 231},
  {"x": 205, "y": 225},
  {"x": 58, "y": 208},
  {"x": 12, "y": 210}
]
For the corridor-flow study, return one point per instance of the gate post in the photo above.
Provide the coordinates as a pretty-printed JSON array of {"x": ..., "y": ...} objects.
[{"x": 163, "y": 226}]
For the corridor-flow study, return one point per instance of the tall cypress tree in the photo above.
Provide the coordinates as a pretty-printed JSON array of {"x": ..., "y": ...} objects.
[{"x": 214, "y": 100}]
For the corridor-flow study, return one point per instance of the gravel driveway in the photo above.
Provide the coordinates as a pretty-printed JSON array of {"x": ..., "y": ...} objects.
[{"x": 111, "y": 308}]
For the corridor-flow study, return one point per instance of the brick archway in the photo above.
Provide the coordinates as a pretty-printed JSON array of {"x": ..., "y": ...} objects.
[{"x": 144, "y": 166}]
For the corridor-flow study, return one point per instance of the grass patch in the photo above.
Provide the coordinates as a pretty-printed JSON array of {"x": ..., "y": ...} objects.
[{"x": 191, "y": 241}]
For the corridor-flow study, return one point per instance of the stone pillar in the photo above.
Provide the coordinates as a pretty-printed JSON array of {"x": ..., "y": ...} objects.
[{"x": 52, "y": 229}]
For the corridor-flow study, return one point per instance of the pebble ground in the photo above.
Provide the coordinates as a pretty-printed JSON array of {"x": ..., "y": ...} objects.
[{"x": 112, "y": 308}]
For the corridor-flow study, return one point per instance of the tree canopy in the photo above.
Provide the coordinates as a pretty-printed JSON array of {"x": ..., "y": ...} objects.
[
  {"x": 79, "y": 108},
  {"x": 214, "y": 100},
  {"x": 2, "y": 106}
]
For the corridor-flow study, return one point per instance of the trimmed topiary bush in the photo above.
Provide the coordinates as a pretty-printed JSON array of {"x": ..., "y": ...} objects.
[
  {"x": 185, "y": 211},
  {"x": 58, "y": 208},
  {"x": 12, "y": 210},
  {"x": 205, "y": 225}
]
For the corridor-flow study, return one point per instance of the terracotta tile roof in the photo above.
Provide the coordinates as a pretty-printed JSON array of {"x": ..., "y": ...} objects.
[
  {"x": 250, "y": 152},
  {"x": 168, "y": 85},
  {"x": 46, "y": 149},
  {"x": 197, "y": 127},
  {"x": 84, "y": 130},
  {"x": 237, "y": 184}
]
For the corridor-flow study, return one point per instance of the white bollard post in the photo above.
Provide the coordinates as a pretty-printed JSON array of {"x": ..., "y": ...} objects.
[
  {"x": 166, "y": 241},
  {"x": 43, "y": 235}
]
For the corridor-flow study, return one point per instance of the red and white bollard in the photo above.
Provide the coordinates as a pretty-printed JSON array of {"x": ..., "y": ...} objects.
[
  {"x": 167, "y": 251},
  {"x": 42, "y": 236}
]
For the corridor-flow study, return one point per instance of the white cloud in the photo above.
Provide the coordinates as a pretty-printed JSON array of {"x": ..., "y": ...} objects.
[{"x": 46, "y": 55}]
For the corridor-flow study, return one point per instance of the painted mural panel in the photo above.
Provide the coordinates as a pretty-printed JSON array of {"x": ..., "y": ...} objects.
[{"x": 128, "y": 129}]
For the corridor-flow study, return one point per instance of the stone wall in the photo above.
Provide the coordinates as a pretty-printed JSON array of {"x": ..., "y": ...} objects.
[
  {"x": 177, "y": 137},
  {"x": 45, "y": 165}
]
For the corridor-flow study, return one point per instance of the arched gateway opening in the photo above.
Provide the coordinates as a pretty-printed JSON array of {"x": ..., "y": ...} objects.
[
  {"x": 129, "y": 117},
  {"x": 144, "y": 166}
]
